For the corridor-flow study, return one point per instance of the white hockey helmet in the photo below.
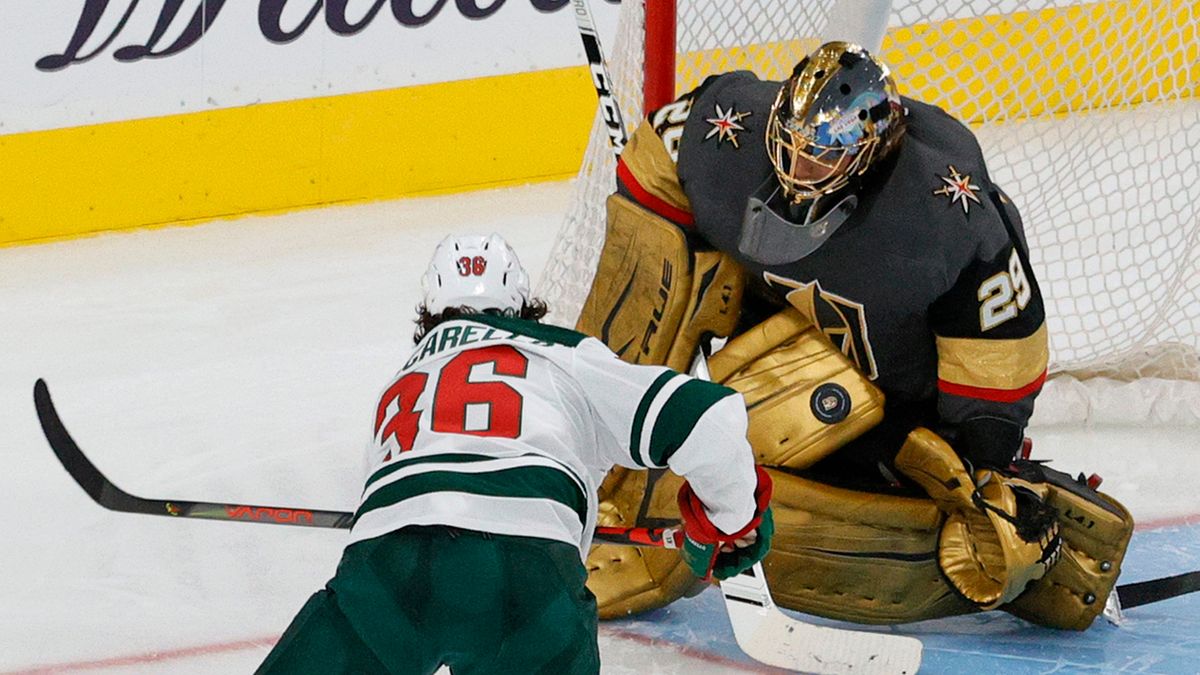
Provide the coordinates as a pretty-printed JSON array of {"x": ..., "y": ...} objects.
[{"x": 476, "y": 271}]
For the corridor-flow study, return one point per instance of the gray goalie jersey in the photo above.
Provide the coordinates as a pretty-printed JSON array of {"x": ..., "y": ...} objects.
[
  {"x": 508, "y": 426},
  {"x": 926, "y": 286}
]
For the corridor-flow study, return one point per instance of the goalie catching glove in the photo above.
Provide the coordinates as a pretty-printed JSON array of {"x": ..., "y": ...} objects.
[
  {"x": 711, "y": 553},
  {"x": 999, "y": 534}
]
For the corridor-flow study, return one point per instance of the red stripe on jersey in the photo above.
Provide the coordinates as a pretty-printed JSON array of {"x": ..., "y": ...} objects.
[
  {"x": 654, "y": 203},
  {"x": 988, "y": 394}
]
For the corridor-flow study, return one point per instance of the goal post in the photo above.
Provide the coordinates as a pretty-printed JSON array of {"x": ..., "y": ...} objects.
[{"x": 1088, "y": 114}]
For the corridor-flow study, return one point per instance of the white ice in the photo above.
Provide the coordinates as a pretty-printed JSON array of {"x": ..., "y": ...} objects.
[{"x": 238, "y": 361}]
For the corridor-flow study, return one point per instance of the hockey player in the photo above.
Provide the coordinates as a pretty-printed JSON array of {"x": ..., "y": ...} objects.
[
  {"x": 889, "y": 341},
  {"x": 467, "y": 546}
]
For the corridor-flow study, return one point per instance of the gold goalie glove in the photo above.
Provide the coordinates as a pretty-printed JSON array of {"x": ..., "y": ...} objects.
[
  {"x": 999, "y": 533},
  {"x": 873, "y": 557}
]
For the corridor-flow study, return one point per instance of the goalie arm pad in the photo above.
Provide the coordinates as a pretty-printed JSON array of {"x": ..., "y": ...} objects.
[
  {"x": 999, "y": 534},
  {"x": 653, "y": 298}
]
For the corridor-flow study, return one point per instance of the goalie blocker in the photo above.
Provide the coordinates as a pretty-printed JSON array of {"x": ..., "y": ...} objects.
[{"x": 845, "y": 554}]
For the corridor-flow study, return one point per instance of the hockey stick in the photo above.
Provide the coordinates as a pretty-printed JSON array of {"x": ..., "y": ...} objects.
[
  {"x": 601, "y": 80},
  {"x": 1145, "y": 592},
  {"x": 760, "y": 628},
  {"x": 771, "y": 637},
  {"x": 105, "y": 493},
  {"x": 113, "y": 498}
]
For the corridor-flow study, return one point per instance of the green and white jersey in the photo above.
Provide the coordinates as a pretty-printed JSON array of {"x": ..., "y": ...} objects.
[{"x": 508, "y": 426}]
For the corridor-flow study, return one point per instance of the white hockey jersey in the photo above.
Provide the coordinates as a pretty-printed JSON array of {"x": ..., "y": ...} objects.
[{"x": 508, "y": 426}]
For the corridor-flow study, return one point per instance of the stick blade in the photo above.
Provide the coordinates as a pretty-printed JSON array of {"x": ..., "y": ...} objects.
[
  {"x": 769, "y": 636},
  {"x": 98, "y": 487},
  {"x": 65, "y": 449}
]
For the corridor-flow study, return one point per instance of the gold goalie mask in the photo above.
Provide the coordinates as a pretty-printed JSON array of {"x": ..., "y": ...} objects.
[
  {"x": 837, "y": 114},
  {"x": 833, "y": 119}
]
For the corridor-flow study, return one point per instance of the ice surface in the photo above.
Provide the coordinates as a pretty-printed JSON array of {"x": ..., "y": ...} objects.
[{"x": 237, "y": 361}]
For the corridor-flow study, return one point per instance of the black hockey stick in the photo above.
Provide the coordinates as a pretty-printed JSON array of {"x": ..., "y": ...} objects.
[
  {"x": 1154, "y": 590},
  {"x": 113, "y": 498}
]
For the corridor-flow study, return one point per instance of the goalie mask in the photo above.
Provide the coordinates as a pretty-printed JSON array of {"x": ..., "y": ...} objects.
[
  {"x": 476, "y": 271},
  {"x": 838, "y": 113}
]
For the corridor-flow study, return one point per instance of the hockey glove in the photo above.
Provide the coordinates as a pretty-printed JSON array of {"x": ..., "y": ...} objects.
[
  {"x": 999, "y": 533},
  {"x": 711, "y": 553}
]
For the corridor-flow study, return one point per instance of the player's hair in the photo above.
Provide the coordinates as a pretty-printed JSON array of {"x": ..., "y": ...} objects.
[{"x": 532, "y": 310}]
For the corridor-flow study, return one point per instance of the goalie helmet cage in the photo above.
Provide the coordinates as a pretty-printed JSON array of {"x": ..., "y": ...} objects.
[{"x": 1088, "y": 115}]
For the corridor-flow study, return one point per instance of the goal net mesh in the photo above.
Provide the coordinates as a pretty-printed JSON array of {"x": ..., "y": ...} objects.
[{"x": 1088, "y": 115}]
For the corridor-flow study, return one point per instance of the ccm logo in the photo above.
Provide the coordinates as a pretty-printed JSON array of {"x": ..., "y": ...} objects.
[{"x": 267, "y": 514}]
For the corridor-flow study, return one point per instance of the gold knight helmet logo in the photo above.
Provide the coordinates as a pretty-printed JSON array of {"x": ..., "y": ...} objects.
[{"x": 843, "y": 321}]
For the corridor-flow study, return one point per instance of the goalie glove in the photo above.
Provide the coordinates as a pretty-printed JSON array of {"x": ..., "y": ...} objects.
[
  {"x": 711, "y": 553},
  {"x": 999, "y": 534}
]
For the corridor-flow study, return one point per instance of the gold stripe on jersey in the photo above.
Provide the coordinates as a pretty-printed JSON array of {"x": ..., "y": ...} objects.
[
  {"x": 652, "y": 167},
  {"x": 992, "y": 363}
]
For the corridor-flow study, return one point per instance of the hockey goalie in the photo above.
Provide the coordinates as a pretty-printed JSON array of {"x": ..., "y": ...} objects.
[{"x": 886, "y": 331}]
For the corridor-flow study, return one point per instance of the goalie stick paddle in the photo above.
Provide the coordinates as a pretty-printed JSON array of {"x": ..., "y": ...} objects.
[
  {"x": 771, "y": 637},
  {"x": 1145, "y": 592},
  {"x": 601, "y": 80}
]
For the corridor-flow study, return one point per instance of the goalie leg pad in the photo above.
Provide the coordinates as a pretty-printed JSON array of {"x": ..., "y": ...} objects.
[
  {"x": 1095, "y": 530},
  {"x": 804, "y": 397},
  {"x": 652, "y": 298},
  {"x": 856, "y": 556},
  {"x": 625, "y": 579}
]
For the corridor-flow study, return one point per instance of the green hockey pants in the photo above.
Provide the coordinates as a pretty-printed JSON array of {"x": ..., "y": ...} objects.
[{"x": 422, "y": 597}]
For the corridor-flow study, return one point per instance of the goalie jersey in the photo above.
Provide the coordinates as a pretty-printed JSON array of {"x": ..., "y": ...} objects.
[
  {"x": 926, "y": 285},
  {"x": 508, "y": 426}
]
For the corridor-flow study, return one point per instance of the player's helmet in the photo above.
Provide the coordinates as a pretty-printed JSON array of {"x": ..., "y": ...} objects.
[
  {"x": 840, "y": 110},
  {"x": 476, "y": 271}
]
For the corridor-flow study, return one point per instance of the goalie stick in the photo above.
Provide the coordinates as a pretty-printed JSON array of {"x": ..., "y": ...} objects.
[{"x": 601, "y": 80}]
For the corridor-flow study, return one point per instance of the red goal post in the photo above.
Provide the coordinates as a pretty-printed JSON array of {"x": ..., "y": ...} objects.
[{"x": 1087, "y": 112}]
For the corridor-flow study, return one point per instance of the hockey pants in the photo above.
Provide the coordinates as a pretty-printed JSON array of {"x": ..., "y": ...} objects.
[{"x": 422, "y": 597}]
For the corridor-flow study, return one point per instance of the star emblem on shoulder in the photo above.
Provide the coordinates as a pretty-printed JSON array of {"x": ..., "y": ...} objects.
[
  {"x": 958, "y": 188},
  {"x": 726, "y": 125}
]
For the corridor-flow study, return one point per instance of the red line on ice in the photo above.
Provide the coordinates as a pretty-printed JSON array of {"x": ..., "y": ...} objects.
[
  {"x": 1172, "y": 521},
  {"x": 152, "y": 657},
  {"x": 267, "y": 642}
]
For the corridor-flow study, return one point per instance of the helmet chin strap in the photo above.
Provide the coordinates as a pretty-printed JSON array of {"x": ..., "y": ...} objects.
[{"x": 770, "y": 238}]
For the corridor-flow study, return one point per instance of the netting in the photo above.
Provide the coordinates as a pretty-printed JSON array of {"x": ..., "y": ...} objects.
[{"x": 1088, "y": 115}]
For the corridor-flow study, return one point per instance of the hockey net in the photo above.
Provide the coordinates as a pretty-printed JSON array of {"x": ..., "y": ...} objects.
[{"x": 1088, "y": 115}]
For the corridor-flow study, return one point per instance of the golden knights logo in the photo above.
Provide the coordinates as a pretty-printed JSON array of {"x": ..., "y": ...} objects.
[{"x": 843, "y": 321}]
